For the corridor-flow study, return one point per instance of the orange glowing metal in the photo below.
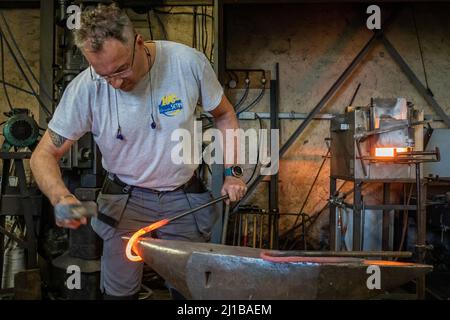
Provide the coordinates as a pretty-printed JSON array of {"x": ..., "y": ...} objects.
[
  {"x": 399, "y": 150},
  {"x": 388, "y": 152},
  {"x": 387, "y": 263},
  {"x": 133, "y": 240},
  {"x": 131, "y": 245}
]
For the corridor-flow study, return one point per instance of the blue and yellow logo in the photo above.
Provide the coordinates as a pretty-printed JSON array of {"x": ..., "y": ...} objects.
[{"x": 170, "y": 105}]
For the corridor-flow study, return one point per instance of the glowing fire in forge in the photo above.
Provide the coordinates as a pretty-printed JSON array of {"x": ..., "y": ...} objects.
[
  {"x": 131, "y": 245},
  {"x": 388, "y": 152}
]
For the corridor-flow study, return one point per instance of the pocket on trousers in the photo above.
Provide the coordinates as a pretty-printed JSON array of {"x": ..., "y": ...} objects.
[
  {"x": 112, "y": 206},
  {"x": 204, "y": 218}
]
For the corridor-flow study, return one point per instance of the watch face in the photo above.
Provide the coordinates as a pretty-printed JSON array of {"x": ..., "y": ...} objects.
[{"x": 237, "y": 171}]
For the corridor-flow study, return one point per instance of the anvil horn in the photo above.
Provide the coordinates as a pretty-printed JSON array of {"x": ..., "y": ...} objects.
[{"x": 212, "y": 271}]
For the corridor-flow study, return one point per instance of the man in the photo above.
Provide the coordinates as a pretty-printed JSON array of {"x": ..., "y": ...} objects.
[{"x": 132, "y": 97}]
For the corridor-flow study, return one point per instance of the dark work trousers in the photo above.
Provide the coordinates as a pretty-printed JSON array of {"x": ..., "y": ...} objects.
[{"x": 121, "y": 277}]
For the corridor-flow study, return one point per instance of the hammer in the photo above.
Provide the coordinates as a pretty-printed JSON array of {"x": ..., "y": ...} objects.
[{"x": 76, "y": 211}]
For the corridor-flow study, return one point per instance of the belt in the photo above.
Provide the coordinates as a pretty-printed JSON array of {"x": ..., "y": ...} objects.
[
  {"x": 117, "y": 186},
  {"x": 113, "y": 185}
]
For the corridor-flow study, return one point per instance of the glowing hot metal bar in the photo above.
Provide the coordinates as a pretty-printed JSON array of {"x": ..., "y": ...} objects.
[
  {"x": 388, "y": 152},
  {"x": 132, "y": 241}
]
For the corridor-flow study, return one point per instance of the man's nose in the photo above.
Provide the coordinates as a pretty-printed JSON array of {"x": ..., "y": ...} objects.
[{"x": 116, "y": 82}]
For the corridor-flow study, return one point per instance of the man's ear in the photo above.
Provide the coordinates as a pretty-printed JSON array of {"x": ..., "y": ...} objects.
[{"x": 140, "y": 40}]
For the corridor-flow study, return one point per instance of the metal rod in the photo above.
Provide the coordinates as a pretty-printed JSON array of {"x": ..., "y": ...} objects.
[
  {"x": 250, "y": 115},
  {"x": 245, "y": 230},
  {"x": 357, "y": 216},
  {"x": 181, "y": 215},
  {"x": 366, "y": 134},
  {"x": 273, "y": 185},
  {"x": 239, "y": 230},
  {"x": 225, "y": 223},
  {"x": 261, "y": 230},
  {"x": 363, "y": 165},
  {"x": 386, "y": 217},
  {"x": 383, "y": 254},
  {"x": 235, "y": 230},
  {"x": 332, "y": 219},
  {"x": 354, "y": 95},
  {"x": 421, "y": 232},
  {"x": 255, "y": 230}
]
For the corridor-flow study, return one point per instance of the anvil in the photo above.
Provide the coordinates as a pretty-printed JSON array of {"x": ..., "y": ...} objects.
[{"x": 213, "y": 271}]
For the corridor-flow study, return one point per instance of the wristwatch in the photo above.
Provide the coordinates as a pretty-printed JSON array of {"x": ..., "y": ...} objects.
[{"x": 234, "y": 171}]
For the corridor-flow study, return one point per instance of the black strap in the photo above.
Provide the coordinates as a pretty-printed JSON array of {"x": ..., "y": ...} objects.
[
  {"x": 108, "y": 220},
  {"x": 113, "y": 185}
]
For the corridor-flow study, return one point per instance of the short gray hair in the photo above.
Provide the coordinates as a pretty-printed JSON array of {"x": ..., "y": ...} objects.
[{"x": 102, "y": 23}]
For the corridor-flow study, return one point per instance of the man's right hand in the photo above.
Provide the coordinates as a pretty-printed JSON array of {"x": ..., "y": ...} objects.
[{"x": 70, "y": 213}]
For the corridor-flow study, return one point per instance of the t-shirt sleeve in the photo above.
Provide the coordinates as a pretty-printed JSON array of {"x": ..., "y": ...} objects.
[
  {"x": 211, "y": 91},
  {"x": 73, "y": 117}
]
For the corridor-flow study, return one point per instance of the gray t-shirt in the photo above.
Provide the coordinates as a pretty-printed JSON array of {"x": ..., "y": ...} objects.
[{"x": 180, "y": 77}]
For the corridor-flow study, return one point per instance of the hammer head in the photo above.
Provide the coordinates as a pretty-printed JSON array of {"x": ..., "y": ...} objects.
[{"x": 76, "y": 211}]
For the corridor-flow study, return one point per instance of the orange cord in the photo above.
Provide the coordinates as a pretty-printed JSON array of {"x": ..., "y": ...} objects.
[{"x": 134, "y": 239}]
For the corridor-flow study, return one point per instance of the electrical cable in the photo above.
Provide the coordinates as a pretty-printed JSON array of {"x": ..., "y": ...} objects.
[
  {"x": 194, "y": 27},
  {"x": 211, "y": 53},
  {"x": 315, "y": 216},
  {"x": 16, "y": 87},
  {"x": 253, "y": 103},
  {"x": 161, "y": 25},
  {"x": 420, "y": 49},
  {"x": 308, "y": 194},
  {"x": 2, "y": 58},
  {"x": 244, "y": 96},
  {"x": 257, "y": 154},
  {"x": 149, "y": 25},
  {"x": 24, "y": 75},
  {"x": 27, "y": 65},
  {"x": 204, "y": 30}
]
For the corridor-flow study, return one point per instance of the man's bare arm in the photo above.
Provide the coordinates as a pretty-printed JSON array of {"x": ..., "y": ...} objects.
[
  {"x": 226, "y": 119},
  {"x": 45, "y": 168}
]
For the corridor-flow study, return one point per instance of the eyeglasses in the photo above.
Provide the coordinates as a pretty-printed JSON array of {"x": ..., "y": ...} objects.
[{"x": 121, "y": 74}]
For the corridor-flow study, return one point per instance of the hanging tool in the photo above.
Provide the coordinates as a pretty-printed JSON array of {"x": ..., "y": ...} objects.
[{"x": 133, "y": 240}]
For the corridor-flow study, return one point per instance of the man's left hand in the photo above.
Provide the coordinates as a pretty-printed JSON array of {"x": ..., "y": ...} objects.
[{"x": 235, "y": 188}]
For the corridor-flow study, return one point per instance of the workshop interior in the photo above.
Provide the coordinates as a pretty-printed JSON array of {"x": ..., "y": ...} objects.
[{"x": 364, "y": 155}]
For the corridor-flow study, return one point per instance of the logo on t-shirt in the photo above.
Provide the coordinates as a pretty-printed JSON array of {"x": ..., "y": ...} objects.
[{"x": 170, "y": 105}]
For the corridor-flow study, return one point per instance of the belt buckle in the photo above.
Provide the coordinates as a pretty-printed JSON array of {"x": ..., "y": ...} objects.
[{"x": 126, "y": 189}]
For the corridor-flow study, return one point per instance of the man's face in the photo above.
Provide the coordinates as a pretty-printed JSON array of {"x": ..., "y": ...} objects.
[{"x": 116, "y": 58}]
